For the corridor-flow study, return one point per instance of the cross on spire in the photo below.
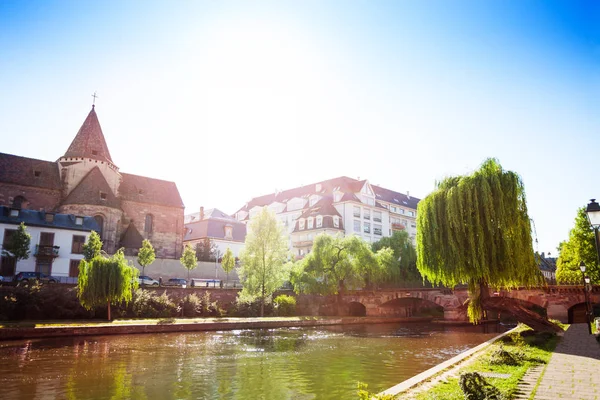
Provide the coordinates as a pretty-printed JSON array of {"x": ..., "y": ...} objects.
[{"x": 94, "y": 96}]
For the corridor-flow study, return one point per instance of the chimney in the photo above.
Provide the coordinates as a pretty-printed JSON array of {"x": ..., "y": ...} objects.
[
  {"x": 408, "y": 194},
  {"x": 201, "y": 213},
  {"x": 543, "y": 255}
]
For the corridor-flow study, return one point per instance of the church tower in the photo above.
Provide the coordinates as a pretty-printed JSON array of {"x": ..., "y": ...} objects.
[{"x": 90, "y": 181}]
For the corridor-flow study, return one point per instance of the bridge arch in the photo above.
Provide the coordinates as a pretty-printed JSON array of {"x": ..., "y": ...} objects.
[
  {"x": 356, "y": 309},
  {"x": 577, "y": 313},
  {"x": 410, "y": 307}
]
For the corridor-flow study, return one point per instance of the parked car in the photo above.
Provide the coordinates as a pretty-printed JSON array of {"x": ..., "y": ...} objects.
[
  {"x": 176, "y": 282},
  {"x": 146, "y": 280},
  {"x": 26, "y": 277}
]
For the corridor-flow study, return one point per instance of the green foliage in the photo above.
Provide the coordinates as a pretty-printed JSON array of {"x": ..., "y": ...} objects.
[
  {"x": 284, "y": 305},
  {"x": 244, "y": 307},
  {"x": 106, "y": 280},
  {"x": 339, "y": 263},
  {"x": 39, "y": 302},
  {"x": 228, "y": 262},
  {"x": 403, "y": 266},
  {"x": 146, "y": 304},
  {"x": 580, "y": 247},
  {"x": 93, "y": 246},
  {"x": 263, "y": 258},
  {"x": 145, "y": 255},
  {"x": 195, "y": 306},
  {"x": 504, "y": 357},
  {"x": 475, "y": 229},
  {"x": 188, "y": 259},
  {"x": 18, "y": 245},
  {"x": 206, "y": 250},
  {"x": 475, "y": 387},
  {"x": 364, "y": 394}
]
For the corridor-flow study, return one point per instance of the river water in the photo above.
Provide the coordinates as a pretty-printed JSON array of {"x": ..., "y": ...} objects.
[{"x": 287, "y": 363}]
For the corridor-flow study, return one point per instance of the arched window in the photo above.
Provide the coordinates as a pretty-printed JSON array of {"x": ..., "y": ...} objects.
[
  {"x": 100, "y": 220},
  {"x": 18, "y": 202},
  {"x": 148, "y": 224}
]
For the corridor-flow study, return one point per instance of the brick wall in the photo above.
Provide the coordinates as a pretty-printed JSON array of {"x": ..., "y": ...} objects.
[
  {"x": 112, "y": 230},
  {"x": 37, "y": 198},
  {"x": 167, "y": 226}
]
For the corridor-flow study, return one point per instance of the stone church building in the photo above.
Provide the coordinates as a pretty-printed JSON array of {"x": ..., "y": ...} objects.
[{"x": 86, "y": 182}]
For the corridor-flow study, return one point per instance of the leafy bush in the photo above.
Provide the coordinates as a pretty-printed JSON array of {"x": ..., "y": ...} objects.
[
  {"x": 148, "y": 305},
  {"x": 284, "y": 305},
  {"x": 243, "y": 308},
  {"x": 210, "y": 308},
  {"x": 40, "y": 302},
  {"x": 503, "y": 357},
  {"x": 191, "y": 306},
  {"x": 364, "y": 394},
  {"x": 475, "y": 387}
]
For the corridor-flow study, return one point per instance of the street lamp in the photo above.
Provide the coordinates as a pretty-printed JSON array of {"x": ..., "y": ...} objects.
[
  {"x": 593, "y": 214},
  {"x": 586, "y": 281}
]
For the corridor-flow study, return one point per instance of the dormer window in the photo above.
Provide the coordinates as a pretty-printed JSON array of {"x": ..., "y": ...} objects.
[
  {"x": 140, "y": 191},
  {"x": 301, "y": 224},
  {"x": 336, "y": 222},
  {"x": 14, "y": 212},
  {"x": 310, "y": 223},
  {"x": 37, "y": 174},
  {"x": 94, "y": 152},
  {"x": 103, "y": 196},
  {"x": 228, "y": 232},
  {"x": 319, "y": 221},
  {"x": 49, "y": 217},
  {"x": 78, "y": 220}
]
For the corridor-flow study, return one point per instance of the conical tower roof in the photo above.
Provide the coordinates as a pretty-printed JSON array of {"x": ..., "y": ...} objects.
[{"x": 89, "y": 141}]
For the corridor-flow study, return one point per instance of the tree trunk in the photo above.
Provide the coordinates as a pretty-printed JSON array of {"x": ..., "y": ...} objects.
[
  {"x": 109, "y": 310},
  {"x": 530, "y": 318},
  {"x": 262, "y": 302}
]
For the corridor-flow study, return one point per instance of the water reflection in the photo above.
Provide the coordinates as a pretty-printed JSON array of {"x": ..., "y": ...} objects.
[{"x": 296, "y": 363}]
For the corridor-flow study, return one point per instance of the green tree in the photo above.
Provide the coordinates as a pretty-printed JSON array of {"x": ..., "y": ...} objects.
[
  {"x": 580, "y": 247},
  {"x": 188, "y": 259},
  {"x": 206, "y": 250},
  {"x": 403, "y": 267},
  {"x": 338, "y": 263},
  {"x": 93, "y": 246},
  {"x": 145, "y": 255},
  {"x": 18, "y": 244},
  {"x": 227, "y": 263},
  {"x": 105, "y": 280},
  {"x": 475, "y": 230},
  {"x": 265, "y": 252}
]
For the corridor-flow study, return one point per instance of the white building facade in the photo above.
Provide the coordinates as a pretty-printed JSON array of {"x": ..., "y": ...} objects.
[
  {"x": 56, "y": 246},
  {"x": 223, "y": 230},
  {"x": 337, "y": 206}
]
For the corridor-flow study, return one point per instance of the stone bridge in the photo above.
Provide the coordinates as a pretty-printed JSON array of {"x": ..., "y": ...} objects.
[{"x": 564, "y": 303}]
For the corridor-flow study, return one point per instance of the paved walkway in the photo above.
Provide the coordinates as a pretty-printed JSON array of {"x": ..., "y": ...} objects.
[{"x": 574, "y": 369}]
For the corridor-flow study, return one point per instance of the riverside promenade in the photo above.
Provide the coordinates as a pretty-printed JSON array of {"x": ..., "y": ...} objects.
[{"x": 574, "y": 370}]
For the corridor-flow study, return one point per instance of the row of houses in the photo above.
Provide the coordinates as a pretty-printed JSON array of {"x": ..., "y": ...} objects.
[{"x": 84, "y": 190}]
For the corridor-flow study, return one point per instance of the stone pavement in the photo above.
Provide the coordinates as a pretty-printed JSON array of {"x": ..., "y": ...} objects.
[{"x": 573, "y": 372}]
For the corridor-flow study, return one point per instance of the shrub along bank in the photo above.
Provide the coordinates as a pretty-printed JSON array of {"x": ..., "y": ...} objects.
[
  {"x": 56, "y": 302},
  {"x": 508, "y": 359}
]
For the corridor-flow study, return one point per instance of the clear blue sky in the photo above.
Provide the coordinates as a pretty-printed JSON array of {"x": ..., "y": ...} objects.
[{"x": 232, "y": 100}]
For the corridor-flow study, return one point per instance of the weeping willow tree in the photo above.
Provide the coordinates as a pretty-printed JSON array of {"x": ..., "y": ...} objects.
[
  {"x": 106, "y": 280},
  {"x": 475, "y": 230}
]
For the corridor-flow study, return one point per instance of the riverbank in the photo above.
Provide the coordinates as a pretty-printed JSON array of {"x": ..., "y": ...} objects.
[
  {"x": 43, "y": 329},
  {"x": 503, "y": 361}
]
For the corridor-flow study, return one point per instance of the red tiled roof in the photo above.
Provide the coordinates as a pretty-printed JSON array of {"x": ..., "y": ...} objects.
[
  {"x": 149, "y": 190},
  {"x": 89, "y": 141},
  {"x": 22, "y": 171}
]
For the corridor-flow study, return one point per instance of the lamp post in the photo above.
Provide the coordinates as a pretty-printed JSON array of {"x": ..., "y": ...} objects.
[
  {"x": 586, "y": 280},
  {"x": 593, "y": 214}
]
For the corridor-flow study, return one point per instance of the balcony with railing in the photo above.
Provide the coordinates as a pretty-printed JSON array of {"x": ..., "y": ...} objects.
[{"x": 46, "y": 251}]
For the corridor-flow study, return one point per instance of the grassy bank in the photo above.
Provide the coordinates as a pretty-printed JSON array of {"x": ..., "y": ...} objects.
[{"x": 507, "y": 359}]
